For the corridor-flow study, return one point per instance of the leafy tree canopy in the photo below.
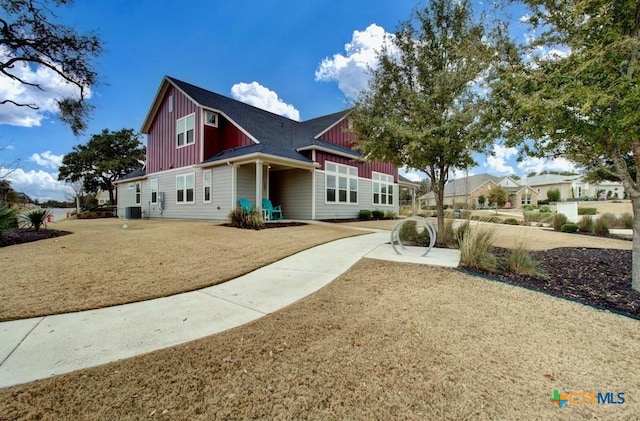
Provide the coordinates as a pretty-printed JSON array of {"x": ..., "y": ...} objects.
[
  {"x": 105, "y": 158},
  {"x": 29, "y": 38},
  {"x": 424, "y": 108}
]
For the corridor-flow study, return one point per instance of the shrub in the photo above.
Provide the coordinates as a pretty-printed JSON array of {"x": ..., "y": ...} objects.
[
  {"x": 585, "y": 224},
  {"x": 377, "y": 214},
  {"x": 364, "y": 214},
  {"x": 559, "y": 219},
  {"x": 482, "y": 200},
  {"x": 535, "y": 216},
  {"x": 543, "y": 201},
  {"x": 511, "y": 221},
  {"x": 36, "y": 218},
  {"x": 570, "y": 227},
  {"x": 520, "y": 262},
  {"x": 601, "y": 226},
  {"x": 545, "y": 209},
  {"x": 247, "y": 219},
  {"x": 529, "y": 208},
  {"x": 446, "y": 237},
  {"x": 625, "y": 220},
  {"x": 476, "y": 250},
  {"x": 8, "y": 218},
  {"x": 587, "y": 211},
  {"x": 553, "y": 195},
  {"x": 609, "y": 219},
  {"x": 389, "y": 215},
  {"x": 411, "y": 234}
]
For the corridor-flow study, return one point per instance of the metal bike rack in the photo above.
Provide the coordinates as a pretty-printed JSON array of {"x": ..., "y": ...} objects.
[{"x": 395, "y": 233}]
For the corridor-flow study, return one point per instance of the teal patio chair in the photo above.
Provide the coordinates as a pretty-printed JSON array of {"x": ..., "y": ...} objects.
[
  {"x": 245, "y": 205},
  {"x": 274, "y": 213}
]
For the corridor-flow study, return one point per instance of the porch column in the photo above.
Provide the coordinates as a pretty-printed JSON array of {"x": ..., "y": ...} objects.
[
  {"x": 413, "y": 201},
  {"x": 259, "y": 185}
]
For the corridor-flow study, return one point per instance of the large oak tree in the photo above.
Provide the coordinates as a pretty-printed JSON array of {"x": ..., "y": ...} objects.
[
  {"x": 29, "y": 37},
  {"x": 425, "y": 106},
  {"x": 107, "y": 157},
  {"x": 575, "y": 91}
]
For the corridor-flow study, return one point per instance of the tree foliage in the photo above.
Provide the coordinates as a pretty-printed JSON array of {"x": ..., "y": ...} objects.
[
  {"x": 422, "y": 108},
  {"x": 29, "y": 38},
  {"x": 580, "y": 98},
  {"x": 105, "y": 158},
  {"x": 498, "y": 195}
]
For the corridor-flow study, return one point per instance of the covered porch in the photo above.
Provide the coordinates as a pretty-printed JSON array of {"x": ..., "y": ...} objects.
[{"x": 286, "y": 183}]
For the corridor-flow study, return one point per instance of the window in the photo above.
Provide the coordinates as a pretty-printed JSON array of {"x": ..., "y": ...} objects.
[
  {"x": 206, "y": 186},
  {"x": 382, "y": 189},
  {"x": 210, "y": 118},
  {"x": 138, "y": 193},
  {"x": 170, "y": 103},
  {"x": 526, "y": 199},
  {"x": 185, "y": 188},
  {"x": 341, "y": 183},
  {"x": 184, "y": 130},
  {"x": 154, "y": 190}
]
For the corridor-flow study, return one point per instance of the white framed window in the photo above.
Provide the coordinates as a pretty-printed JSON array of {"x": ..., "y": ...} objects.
[
  {"x": 526, "y": 199},
  {"x": 170, "y": 103},
  {"x": 382, "y": 188},
  {"x": 210, "y": 118},
  {"x": 341, "y": 183},
  {"x": 185, "y": 191},
  {"x": 185, "y": 128},
  {"x": 138, "y": 189},
  {"x": 153, "y": 186},
  {"x": 206, "y": 186}
]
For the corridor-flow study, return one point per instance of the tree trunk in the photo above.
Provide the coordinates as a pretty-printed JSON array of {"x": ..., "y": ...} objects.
[{"x": 635, "y": 263}]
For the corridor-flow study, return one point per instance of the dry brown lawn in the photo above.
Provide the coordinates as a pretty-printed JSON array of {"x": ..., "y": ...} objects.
[
  {"x": 101, "y": 264},
  {"x": 383, "y": 341}
]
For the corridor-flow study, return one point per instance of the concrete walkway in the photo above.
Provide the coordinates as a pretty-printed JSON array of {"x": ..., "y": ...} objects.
[{"x": 42, "y": 347}]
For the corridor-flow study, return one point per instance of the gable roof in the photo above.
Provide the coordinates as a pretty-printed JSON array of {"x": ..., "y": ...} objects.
[
  {"x": 273, "y": 134},
  {"x": 466, "y": 185},
  {"x": 543, "y": 179}
]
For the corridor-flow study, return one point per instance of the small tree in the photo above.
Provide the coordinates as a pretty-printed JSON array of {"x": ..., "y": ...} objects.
[
  {"x": 499, "y": 196},
  {"x": 482, "y": 200},
  {"x": 553, "y": 195},
  {"x": 424, "y": 108}
]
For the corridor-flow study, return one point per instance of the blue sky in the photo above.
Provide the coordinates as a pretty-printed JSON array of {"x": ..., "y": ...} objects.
[{"x": 302, "y": 59}]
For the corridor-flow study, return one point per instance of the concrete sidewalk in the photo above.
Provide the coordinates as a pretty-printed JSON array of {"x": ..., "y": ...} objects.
[{"x": 42, "y": 347}]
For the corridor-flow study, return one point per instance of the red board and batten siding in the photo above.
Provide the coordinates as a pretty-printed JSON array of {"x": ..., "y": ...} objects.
[
  {"x": 225, "y": 136},
  {"x": 162, "y": 150},
  {"x": 340, "y": 135},
  {"x": 364, "y": 168}
]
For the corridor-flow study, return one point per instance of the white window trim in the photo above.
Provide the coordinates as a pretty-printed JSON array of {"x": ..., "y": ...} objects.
[
  {"x": 185, "y": 202},
  {"x": 185, "y": 118},
  {"x": 152, "y": 189},
  {"x": 383, "y": 179},
  {"x": 206, "y": 122},
  {"x": 204, "y": 179},
  {"x": 349, "y": 178},
  {"x": 138, "y": 193}
]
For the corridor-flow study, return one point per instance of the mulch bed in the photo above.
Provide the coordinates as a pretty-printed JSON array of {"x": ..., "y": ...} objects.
[
  {"x": 23, "y": 235},
  {"x": 597, "y": 277},
  {"x": 268, "y": 225}
]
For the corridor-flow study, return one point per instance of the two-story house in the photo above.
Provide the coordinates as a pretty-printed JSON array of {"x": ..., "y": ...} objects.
[{"x": 205, "y": 151}]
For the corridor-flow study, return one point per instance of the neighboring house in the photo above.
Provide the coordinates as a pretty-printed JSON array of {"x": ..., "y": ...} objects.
[
  {"x": 573, "y": 186},
  {"x": 102, "y": 197},
  {"x": 464, "y": 192},
  {"x": 205, "y": 151}
]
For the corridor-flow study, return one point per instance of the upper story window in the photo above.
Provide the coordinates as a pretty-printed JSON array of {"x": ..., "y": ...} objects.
[
  {"x": 382, "y": 189},
  {"x": 210, "y": 118},
  {"x": 341, "y": 183},
  {"x": 185, "y": 128}
]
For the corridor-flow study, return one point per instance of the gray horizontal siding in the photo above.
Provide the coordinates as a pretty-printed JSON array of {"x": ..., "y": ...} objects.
[
  {"x": 218, "y": 209},
  {"x": 292, "y": 190},
  {"x": 345, "y": 211}
]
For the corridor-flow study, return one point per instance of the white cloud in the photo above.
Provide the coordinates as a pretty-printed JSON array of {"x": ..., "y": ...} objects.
[
  {"x": 257, "y": 95},
  {"x": 39, "y": 184},
  {"x": 497, "y": 163},
  {"x": 457, "y": 173},
  {"x": 531, "y": 164},
  {"x": 53, "y": 88},
  {"x": 351, "y": 70},
  {"x": 47, "y": 159}
]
